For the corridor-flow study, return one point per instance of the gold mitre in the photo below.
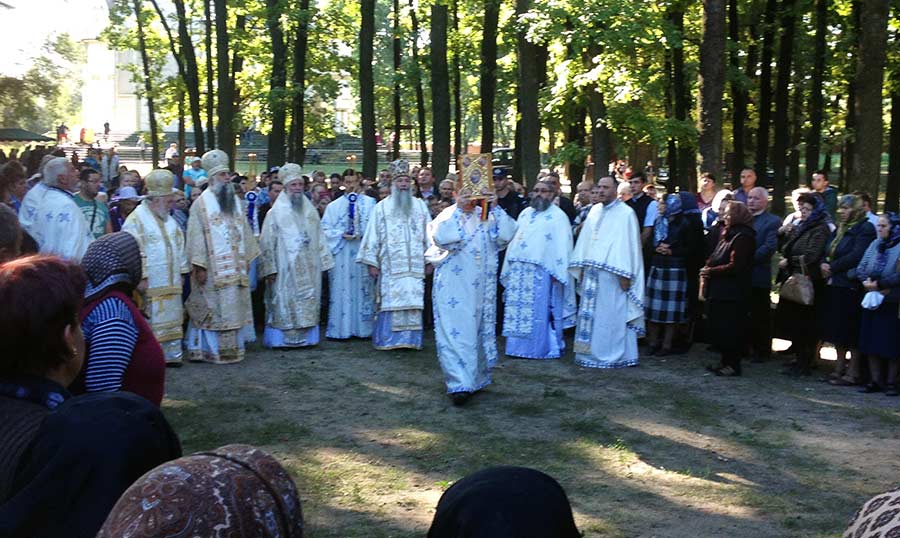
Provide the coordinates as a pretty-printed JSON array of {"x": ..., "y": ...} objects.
[
  {"x": 215, "y": 161},
  {"x": 159, "y": 182},
  {"x": 290, "y": 172},
  {"x": 475, "y": 177}
]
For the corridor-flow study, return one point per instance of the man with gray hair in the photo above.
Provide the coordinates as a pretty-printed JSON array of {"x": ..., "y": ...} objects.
[
  {"x": 293, "y": 254},
  {"x": 393, "y": 248},
  {"x": 766, "y": 226},
  {"x": 50, "y": 215}
]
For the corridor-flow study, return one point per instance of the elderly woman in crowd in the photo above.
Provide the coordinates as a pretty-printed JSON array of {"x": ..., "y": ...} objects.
[
  {"x": 802, "y": 250},
  {"x": 504, "y": 502},
  {"x": 667, "y": 283},
  {"x": 64, "y": 460},
  {"x": 841, "y": 308},
  {"x": 879, "y": 327},
  {"x": 726, "y": 280},
  {"x": 13, "y": 186},
  {"x": 182, "y": 498},
  {"x": 122, "y": 352}
]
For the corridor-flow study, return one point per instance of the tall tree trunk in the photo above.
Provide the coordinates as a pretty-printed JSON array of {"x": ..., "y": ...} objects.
[
  {"x": 848, "y": 152},
  {"x": 782, "y": 104},
  {"x": 225, "y": 90},
  {"x": 148, "y": 84},
  {"x": 681, "y": 100},
  {"x": 892, "y": 194},
  {"x": 866, "y": 171},
  {"x": 440, "y": 92},
  {"x": 796, "y": 133},
  {"x": 765, "y": 91},
  {"x": 277, "y": 85},
  {"x": 210, "y": 96},
  {"x": 816, "y": 97},
  {"x": 712, "y": 86},
  {"x": 296, "y": 149},
  {"x": 398, "y": 121},
  {"x": 367, "y": 87},
  {"x": 750, "y": 73},
  {"x": 420, "y": 92},
  {"x": 181, "y": 133},
  {"x": 528, "y": 129},
  {"x": 191, "y": 75},
  {"x": 457, "y": 87},
  {"x": 738, "y": 94},
  {"x": 488, "y": 81},
  {"x": 575, "y": 134}
]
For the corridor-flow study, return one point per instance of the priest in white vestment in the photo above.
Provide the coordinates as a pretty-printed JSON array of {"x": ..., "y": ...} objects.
[
  {"x": 609, "y": 268},
  {"x": 464, "y": 253},
  {"x": 351, "y": 299},
  {"x": 220, "y": 247},
  {"x": 536, "y": 280},
  {"x": 50, "y": 215},
  {"x": 293, "y": 254},
  {"x": 393, "y": 248},
  {"x": 163, "y": 261}
]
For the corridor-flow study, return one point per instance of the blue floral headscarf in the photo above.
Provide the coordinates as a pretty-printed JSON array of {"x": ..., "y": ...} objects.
[
  {"x": 661, "y": 227},
  {"x": 886, "y": 244}
]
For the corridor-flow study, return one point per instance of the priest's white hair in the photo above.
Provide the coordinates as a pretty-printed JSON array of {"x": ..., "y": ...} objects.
[{"x": 52, "y": 170}]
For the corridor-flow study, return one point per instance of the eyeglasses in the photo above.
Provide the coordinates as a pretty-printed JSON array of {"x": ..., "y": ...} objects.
[{"x": 541, "y": 190}]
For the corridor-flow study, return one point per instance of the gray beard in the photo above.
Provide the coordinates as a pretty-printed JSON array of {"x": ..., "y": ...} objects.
[
  {"x": 298, "y": 201},
  {"x": 402, "y": 200},
  {"x": 539, "y": 203},
  {"x": 158, "y": 208},
  {"x": 225, "y": 196}
]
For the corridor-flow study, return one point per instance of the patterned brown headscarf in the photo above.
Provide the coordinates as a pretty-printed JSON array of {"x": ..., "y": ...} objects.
[
  {"x": 879, "y": 517},
  {"x": 112, "y": 259},
  {"x": 236, "y": 491}
]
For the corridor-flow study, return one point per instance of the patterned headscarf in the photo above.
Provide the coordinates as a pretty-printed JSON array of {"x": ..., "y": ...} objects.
[
  {"x": 886, "y": 244},
  {"x": 111, "y": 259},
  {"x": 819, "y": 213},
  {"x": 856, "y": 214},
  {"x": 689, "y": 203},
  {"x": 661, "y": 227},
  {"x": 236, "y": 491}
]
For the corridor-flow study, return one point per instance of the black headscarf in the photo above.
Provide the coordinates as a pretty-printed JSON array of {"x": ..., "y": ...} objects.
[
  {"x": 504, "y": 502},
  {"x": 112, "y": 259},
  {"x": 86, "y": 453}
]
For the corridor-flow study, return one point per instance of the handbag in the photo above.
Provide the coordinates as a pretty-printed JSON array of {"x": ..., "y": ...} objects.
[{"x": 798, "y": 288}]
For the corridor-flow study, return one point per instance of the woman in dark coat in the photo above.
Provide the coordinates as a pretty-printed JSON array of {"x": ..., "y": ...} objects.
[
  {"x": 802, "y": 252},
  {"x": 726, "y": 282},
  {"x": 840, "y": 307}
]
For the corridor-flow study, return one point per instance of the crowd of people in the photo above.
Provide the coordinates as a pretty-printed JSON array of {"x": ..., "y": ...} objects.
[{"x": 108, "y": 276}]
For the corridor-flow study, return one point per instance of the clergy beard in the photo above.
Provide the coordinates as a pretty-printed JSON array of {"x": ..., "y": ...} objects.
[
  {"x": 158, "y": 207},
  {"x": 402, "y": 200},
  {"x": 298, "y": 201},
  {"x": 539, "y": 203},
  {"x": 225, "y": 196}
]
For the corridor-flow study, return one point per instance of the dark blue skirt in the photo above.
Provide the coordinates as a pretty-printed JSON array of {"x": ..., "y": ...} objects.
[
  {"x": 879, "y": 331},
  {"x": 841, "y": 311}
]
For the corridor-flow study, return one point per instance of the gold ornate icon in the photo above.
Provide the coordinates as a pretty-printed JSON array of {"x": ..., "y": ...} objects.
[{"x": 475, "y": 178}]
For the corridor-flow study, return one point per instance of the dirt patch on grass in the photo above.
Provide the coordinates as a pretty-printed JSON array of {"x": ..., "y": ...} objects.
[{"x": 660, "y": 450}]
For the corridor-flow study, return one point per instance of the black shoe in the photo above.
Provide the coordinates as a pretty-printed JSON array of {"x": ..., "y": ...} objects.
[
  {"x": 788, "y": 351},
  {"x": 870, "y": 388},
  {"x": 460, "y": 398}
]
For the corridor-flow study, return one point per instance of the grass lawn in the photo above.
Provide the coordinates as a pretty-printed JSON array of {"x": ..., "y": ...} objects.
[{"x": 660, "y": 450}]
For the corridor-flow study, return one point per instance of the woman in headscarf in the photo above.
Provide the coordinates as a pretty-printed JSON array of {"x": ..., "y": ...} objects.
[
  {"x": 879, "y": 272},
  {"x": 122, "y": 352},
  {"x": 726, "y": 280},
  {"x": 840, "y": 307},
  {"x": 504, "y": 502},
  {"x": 802, "y": 253},
  {"x": 667, "y": 283},
  {"x": 236, "y": 491},
  {"x": 64, "y": 460},
  {"x": 710, "y": 215},
  {"x": 695, "y": 256}
]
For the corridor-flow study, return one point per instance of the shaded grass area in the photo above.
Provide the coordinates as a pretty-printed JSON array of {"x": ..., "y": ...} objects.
[{"x": 659, "y": 450}]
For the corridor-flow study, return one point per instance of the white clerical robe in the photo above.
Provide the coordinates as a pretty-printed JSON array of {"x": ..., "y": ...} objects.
[
  {"x": 293, "y": 248},
  {"x": 395, "y": 243},
  {"x": 53, "y": 219},
  {"x": 351, "y": 301},
  {"x": 164, "y": 263},
  {"x": 220, "y": 311},
  {"x": 536, "y": 281},
  {"x": 464, "y": 252},
  {"x": 609, "y": 319}
]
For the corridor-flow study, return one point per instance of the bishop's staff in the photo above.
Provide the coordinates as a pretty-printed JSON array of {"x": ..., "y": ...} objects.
[{"x": 475, "y": 178}]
